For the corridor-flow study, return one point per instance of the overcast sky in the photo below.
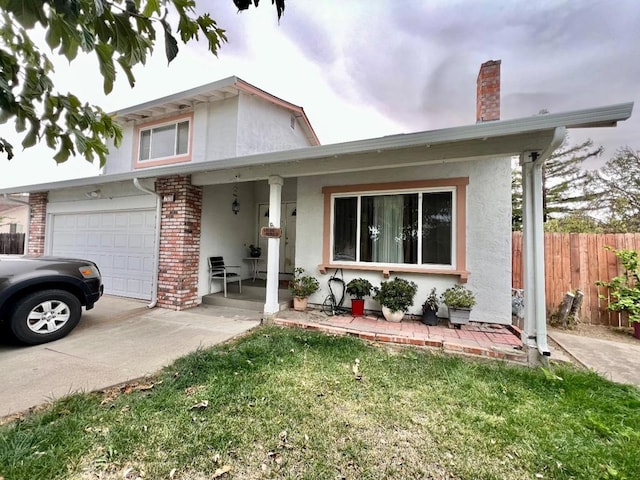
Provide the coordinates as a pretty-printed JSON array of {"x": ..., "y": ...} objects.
[{"x": 365, "y": 68}]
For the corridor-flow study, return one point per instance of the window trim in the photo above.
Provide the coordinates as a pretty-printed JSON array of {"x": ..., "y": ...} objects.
[
  {"x": 460, "y": 239},
  {"x": 173, "y": 120}
]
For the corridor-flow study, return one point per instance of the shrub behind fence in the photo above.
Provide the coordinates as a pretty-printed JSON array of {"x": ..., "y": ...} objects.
[{"x": 12, "y": 243}]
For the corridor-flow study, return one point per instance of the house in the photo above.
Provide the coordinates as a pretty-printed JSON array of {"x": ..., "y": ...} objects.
[
  {"x": 13, "y": 216},
  {"x": 200, "y": 172}
]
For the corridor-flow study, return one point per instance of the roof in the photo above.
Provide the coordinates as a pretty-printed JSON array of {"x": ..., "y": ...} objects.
[
  {"x": 482, "y": 134},
  {"x": 211, "y": 92}
]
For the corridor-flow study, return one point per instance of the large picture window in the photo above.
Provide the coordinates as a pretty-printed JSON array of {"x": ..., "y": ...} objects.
[{"x": 411, "y": 228}]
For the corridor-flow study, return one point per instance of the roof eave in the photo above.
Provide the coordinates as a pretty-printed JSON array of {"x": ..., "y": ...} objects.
[{"x": 588, "y": 118}]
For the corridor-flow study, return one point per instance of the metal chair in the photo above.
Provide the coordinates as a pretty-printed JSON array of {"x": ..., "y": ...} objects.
[{"x": 218, "y": 271}]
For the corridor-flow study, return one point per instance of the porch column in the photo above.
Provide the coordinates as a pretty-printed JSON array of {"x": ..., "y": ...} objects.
[
  {"x": 271, "y": 305},
  {"x": 535, "y": 321},
  {"x": 37, "y": 223},
  {"x": 179, "y": 242}
]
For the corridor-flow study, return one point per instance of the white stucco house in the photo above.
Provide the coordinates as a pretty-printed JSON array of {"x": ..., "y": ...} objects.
[{"x": 433, "y": 207}]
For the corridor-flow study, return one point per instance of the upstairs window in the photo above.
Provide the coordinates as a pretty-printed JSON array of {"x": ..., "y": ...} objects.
[{"x": 169, "y": 142}]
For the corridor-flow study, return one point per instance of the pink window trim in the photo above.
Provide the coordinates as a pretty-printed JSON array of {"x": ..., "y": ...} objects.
[{"x": 167, "y": 160}]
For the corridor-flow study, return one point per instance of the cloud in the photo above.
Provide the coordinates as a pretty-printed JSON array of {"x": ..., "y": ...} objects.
[{"x": 363, "y": 69}]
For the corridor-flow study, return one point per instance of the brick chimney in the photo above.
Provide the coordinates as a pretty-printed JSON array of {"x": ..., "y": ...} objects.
[{"x": 488, "y": 92}]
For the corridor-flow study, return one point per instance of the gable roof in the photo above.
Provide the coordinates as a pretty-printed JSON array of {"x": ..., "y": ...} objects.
[
  {"x": 211, "y": 92},
  {"x": 496, "y": 138}
]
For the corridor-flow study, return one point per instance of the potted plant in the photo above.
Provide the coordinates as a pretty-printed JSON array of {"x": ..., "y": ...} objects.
[
  {"x": 430, "y": 308},
  {"x": 395, "y": 296},
  {"x": 358, "y": 288},
  {"x": 301, "y": 287},
  {"x": 255, "y": 251},
  {"x": 460, "y": 300}
]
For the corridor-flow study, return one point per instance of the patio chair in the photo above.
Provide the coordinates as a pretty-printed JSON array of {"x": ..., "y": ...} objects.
[{"x": 219, "y": 271}]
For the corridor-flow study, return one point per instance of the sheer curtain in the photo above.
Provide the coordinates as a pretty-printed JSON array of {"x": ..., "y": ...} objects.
[{"x": 386, "y": 228}]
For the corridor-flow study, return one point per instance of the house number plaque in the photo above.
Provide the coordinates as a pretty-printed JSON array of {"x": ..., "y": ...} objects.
[{"x": 270, "y": 232}]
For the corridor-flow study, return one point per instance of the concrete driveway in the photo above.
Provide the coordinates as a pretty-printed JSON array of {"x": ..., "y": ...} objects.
[{"x": 119, "y": 340}]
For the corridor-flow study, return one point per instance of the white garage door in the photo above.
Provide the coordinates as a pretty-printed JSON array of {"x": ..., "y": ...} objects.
[{"x": 120, "y": 242}]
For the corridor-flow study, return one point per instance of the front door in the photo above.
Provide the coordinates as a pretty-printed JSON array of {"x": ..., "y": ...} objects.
[{"x": 288, "y": 239}]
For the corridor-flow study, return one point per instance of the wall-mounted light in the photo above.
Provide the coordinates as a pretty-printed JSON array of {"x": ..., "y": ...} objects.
[
  {"x": 235, "y": 205},
  {"x": 93, "y": 194}
]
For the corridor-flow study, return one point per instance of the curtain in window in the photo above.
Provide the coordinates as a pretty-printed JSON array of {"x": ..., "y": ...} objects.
[{"x": 388, "y": 228}]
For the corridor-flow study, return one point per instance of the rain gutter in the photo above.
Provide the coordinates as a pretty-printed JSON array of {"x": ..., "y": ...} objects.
[
  {"x": 156, "y": 249},
  {"x": 533, "y": 237}
]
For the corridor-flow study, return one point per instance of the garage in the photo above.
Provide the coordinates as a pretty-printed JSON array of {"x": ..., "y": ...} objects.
[{"x": 121, "y": 242}]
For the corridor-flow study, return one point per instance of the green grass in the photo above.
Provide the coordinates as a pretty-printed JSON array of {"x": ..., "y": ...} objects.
[{"x": 284, "y": 403}]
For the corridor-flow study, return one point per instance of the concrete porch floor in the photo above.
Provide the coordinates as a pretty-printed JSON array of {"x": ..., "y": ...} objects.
[{"x": 479, "y": 339}]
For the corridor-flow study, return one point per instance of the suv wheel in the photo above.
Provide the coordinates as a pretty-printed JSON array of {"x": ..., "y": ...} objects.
[{"x": 45, "y": 316}]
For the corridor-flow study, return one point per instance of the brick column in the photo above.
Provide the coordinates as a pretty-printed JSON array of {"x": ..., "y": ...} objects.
[
  {"x": 179, "y": 242},
  {"x": 37, "y": 223}
]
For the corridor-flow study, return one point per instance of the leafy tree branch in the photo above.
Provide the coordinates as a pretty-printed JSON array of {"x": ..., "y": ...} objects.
[{"x": 121, "y": 33}]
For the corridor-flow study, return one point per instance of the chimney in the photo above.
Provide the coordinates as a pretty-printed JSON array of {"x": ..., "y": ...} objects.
[{"x": 488, "y": 92}]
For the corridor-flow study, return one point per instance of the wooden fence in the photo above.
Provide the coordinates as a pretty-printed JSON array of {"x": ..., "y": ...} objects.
[
  {"x": 12, "y": 243},
  {"x": 577, "y": 261}
]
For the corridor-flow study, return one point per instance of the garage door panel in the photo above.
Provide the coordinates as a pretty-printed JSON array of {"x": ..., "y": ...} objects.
[
  {"x": 149, "y": 241},
  {"x": 121, "y": 244},
  {"x": 93, "y": 220},
  {"x": 121, "y": 240},
  {"x": 121, "y": 220}
]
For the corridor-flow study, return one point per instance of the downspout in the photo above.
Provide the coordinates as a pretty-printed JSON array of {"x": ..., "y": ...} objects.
[
  {"x": 26, "y": 233},
  {"x": 156, "y": 244},
  {"x": 535, "y": 301}
]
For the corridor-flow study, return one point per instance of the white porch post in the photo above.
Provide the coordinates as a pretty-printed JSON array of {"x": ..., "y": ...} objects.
[
  {"x": 533, "y": 252},
  {"x": 271, "y": 305},
  {"x": 535, "y": 310}
]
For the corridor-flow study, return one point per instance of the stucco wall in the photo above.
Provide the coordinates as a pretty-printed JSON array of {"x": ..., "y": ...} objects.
[
  {"x": 488, "y": 233},
  {"x": 237, "y": 126},
  {"x": 265, "y": 127},
  {"x": 216, "y": 131},
  {"x": 224, "y": 233}
]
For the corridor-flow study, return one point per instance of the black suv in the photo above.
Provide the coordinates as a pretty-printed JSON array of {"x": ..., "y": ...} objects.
[{"x": 41, "y": 298}]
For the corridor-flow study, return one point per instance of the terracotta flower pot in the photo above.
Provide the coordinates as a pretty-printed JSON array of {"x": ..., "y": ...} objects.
[{"x": 300, "y": 304}]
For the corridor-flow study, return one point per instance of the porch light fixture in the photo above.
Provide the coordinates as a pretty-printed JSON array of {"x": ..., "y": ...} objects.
[
  {"x": 93, "y": 194},
  {"x": 235, "y": 206}
]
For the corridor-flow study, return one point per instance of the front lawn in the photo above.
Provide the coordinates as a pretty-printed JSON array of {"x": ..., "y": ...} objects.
[{"x": 285, "y": 403}]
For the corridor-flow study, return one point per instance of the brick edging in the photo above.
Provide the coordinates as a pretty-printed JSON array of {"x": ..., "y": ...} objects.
[{"x": 443, "y": 345}]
